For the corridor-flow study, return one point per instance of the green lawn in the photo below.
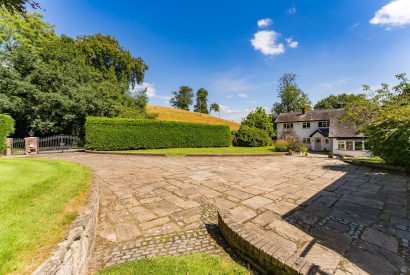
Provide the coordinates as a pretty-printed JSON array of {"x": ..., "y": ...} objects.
[
  {"x": 194, "y": 264},
  {"x": 370, "y": 159},
  {"x": 217, "y": 150},
  {"x": 38, "y": 200}
]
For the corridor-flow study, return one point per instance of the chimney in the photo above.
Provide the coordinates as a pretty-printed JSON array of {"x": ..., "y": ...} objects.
[{"x": 303, "y": 110}]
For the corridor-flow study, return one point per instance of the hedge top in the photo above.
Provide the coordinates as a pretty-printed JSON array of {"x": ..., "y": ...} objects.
[{"x": 126, "y": 134}]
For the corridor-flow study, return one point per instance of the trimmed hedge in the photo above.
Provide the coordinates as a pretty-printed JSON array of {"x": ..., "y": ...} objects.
[
  {"x": 6, "y": 128},
  {"x": 108, "y": 134}
]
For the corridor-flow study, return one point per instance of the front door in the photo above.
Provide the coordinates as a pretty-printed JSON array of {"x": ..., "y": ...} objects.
[{"x": 318, "y": 144}]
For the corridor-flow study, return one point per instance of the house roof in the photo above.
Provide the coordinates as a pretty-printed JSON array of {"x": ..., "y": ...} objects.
[
  {"x": 323, "y": 131},
  {"x": 337, "y": 129}
]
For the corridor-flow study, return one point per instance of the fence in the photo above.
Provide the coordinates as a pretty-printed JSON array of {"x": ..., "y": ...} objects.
[{"x": 59, "y": 143}]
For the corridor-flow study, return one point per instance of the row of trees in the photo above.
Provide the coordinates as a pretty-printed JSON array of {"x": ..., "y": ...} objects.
[
  {"x": 50, "y": 83},
  {"x": 184, "y": 98}
]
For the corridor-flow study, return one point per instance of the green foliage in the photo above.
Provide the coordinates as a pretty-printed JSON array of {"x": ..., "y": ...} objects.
[
  {"x": 126, "y": 134},
  {"x": 6, "y": 128},
  {"x": 115, "y": 63},
  {"x": 201, "y": 105},
  {"x": 52, "y": 82},
  {"x": 384, "y": 118},
  {"x": 338, "y": 101},
  {"x": 260, "y": 119},
  {"x": 19, "y": 5},
  {"x": 281, "y": 146},
  {"x": 292, "y": 98},
  {"x": 252, "y": 137},
  {"x": 183, "y": 98},
  {"x": 214, "y": 107}
]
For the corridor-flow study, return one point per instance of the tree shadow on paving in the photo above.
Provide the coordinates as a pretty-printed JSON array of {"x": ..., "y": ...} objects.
[{"x": 363, "y": 216}]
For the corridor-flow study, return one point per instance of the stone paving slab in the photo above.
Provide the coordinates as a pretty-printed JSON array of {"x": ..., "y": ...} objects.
[{"x": 147, "y": 203}]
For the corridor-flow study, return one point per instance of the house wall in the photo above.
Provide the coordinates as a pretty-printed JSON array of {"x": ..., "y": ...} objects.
[
  {"x": 305, "y": 133},
  {"x": 323, "y": 145},
  {"x": 350, "y": 153}
]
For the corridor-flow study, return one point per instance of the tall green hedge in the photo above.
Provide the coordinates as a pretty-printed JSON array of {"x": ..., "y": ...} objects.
[
  {"x": 6, "y": 128},
  {"x": 109, "y": 134}
]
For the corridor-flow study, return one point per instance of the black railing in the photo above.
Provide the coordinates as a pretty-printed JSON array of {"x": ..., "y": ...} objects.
[{"x": 59, "y": 143}]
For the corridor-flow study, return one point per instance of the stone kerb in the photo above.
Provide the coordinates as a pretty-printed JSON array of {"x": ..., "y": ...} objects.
[{"x": 73, "y": 254}]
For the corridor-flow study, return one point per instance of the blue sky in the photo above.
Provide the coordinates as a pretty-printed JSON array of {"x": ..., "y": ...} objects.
[{"x": 333, "y": 46}]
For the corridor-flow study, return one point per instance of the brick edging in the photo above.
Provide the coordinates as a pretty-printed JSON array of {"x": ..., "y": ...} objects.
[
  {"x": 251, "y": 245},
  {"x": 73, "y": 254}
]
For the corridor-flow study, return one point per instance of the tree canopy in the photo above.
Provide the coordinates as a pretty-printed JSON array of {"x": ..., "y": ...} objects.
[
  {"x": 292, "y": 98},
  {"x": 50, "y": 83},
  {"x": 338, "y": 101},
  {"x": 19, "y": 5},
  {"x": 183, "y": 98},
  {"x": 214, "y": 107},
  {"x": 201, "y": 105},
  {"x": 384, "y": 118},
  {"x": 259, "y": 119}
]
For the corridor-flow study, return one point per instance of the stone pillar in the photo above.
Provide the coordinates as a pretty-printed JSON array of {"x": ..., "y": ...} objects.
[
  {"x": 9, "y": 145},
  {"x": 31, "y": 145}
]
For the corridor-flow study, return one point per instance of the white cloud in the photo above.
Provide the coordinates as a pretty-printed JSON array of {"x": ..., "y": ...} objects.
[
  {"x": 292, "y": 10},
  {"x": 355, "y": 25},
  {"x": 266, "y": 43},
  {"x": 242, "y": 95},
  {"x": 291, "y": 43},
  {"x": 265, "y": 22},
  {"x": 396, "y": 13},
  {"x": 229, "y": 96},
  {"x": 234, "y": 114},
  {"x": 151, "y": 92},
  {"x": 334, "y": 85}
]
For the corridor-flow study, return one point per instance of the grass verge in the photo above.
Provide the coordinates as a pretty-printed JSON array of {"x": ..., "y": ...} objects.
[
  {"x": 38, "y": 201},
  {"x": 218, "y": 150},
  {"x": 194, "y": 264}
]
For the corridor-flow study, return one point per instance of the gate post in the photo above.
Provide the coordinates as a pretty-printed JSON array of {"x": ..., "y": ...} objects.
[
  {"x": 9, "y": 145},
  {"x": 31, "y": 145}
]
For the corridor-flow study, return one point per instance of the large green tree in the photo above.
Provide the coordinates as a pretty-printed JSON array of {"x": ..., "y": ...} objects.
[
  {"x": 183, "y": 98},
  {"x": 259, "y": 119},
  {"x": 292, "y": 98},
  {"x": 338, "y": 101},
  {"x": 49, "y": 83},
  {"x": 384, "y": 118},
  {"x": 201, "y": 105},
  {"x": 19, "y": 5},
  {"x": 215, "y": 107}
]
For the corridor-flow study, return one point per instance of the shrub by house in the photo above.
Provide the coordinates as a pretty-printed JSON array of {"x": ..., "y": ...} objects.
[
  {"x": 6, "y": 128},
  {"x": 109, "y": 134}
]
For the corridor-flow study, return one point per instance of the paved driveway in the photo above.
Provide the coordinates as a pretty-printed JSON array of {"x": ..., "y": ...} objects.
[{"x": 167, "y": 206}]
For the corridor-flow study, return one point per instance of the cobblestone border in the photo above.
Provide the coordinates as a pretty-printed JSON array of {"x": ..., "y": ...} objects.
[
  {"x": 252, "y": 246},
  {"x": 73, "y": 254}
]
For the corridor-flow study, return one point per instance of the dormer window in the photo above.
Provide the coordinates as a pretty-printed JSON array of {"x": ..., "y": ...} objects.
[
  {"x": 306, "y": 125},
  {"x": 323, "y": 124},
  {"x": 288, "y": 125}
]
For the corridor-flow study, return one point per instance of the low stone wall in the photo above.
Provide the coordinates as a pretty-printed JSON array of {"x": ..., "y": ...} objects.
[
  {"x": 73, "y": 254},
  {"x": 251, "y": 246}
]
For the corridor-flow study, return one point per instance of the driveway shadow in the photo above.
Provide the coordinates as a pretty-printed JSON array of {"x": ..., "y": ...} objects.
[{"x": 363, "y": 216}]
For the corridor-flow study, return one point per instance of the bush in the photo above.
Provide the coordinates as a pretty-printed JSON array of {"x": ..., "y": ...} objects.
[
  {"x": 6, "y": 128},
  {"x": 126, "y": 134},
  {"x": 281, "y": 146},
  {"x": 303, "y": 149},
  {"x": 252, "y": 137}
]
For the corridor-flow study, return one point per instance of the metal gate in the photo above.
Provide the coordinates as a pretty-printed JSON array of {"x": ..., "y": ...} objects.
[
  {"x": 17, "y": 146},
  {"x": 59, "y": 143}
]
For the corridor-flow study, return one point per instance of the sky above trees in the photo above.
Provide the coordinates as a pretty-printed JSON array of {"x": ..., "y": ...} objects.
[{"x": 237, "y": 50}]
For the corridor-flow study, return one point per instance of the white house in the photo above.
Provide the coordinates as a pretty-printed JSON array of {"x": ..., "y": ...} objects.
[{"x": 320, "y": 130}]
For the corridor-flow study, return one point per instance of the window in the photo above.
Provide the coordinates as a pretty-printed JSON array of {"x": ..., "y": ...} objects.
[
  {"x": 341, "y": 145},
  {"x": 288, "y": 125},
  {"x": 306, "y": 125},
  {"x": 349, "y": 145},
  {"x": 358, "y": 145},
  {"x": 326, "y": 140},
  {"x": 323, "y": 124},
  {"x": 306, "y": 140}
]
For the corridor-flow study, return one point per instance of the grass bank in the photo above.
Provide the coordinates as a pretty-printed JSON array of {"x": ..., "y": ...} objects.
[
  {"x": 218, "y": 150},
  {"x": 38, "y": 201},
  {"x": 194, "y": 264}
]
